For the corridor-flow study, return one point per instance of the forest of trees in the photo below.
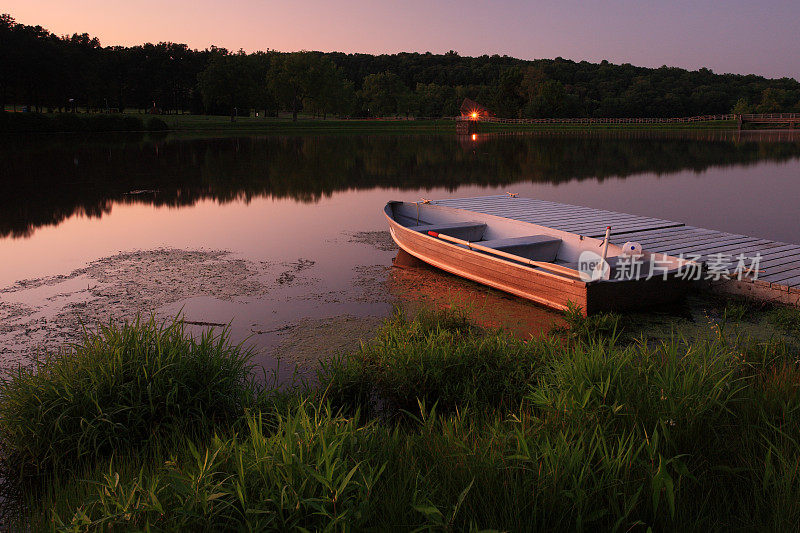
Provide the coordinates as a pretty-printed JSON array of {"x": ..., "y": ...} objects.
[{"x": 40, "y": 71}]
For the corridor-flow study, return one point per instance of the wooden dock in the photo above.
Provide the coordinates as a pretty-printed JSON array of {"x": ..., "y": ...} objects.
[
  {"x": 778, "y": 278},
  {"x": 788, "y": 120}
]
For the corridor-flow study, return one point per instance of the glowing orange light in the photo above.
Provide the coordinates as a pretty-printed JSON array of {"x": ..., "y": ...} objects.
[
  {"x": 474, "y": 114},
  {"x": 474, "y": 136}
]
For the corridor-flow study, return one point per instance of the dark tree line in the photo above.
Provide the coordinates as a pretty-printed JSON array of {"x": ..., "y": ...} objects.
[{"x": 41, "y": 71}]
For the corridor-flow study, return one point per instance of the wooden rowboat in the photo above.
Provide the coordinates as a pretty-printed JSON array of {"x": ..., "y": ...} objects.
[{"x": 548, "y": 266}]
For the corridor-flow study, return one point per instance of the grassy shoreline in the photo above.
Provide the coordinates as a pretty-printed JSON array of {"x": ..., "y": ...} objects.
[
  {"x": 436, "y": 424},
  {"x": 187, "y": 124}
]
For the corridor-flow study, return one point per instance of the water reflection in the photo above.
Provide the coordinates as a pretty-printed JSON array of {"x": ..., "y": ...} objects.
[
  {"x": 283, "y": 237},
  {"x": 425, "y": 287},
  {"x": 45, "y": 181}
]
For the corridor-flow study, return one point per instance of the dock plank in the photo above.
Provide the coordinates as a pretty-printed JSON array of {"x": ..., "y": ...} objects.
[
  {"x": 626, "y": 232},
  {"x": 780, "y": 278},
  {"x": 675, "y": 232},
  {"x": 689, "y": 240},
  {"x": 779, "y": 254},
  {"x": 748, "y": 249},
  {"x": 793, "y": 262},
  {"x": 712, "y": 248},
  {"x": 751, "y": 252},
  {"x": 792, "y": 282},
  {"x": 774, "y": 270},
  {"x": 614, "y": 222},
  {"x": 617, "y": 227},
  {"x": 586, "y": 218}
]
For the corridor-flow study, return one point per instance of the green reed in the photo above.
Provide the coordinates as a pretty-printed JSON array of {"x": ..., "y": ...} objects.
[
  {"x": 122, "y": 387},
  {"x": 439, "y": 425}
]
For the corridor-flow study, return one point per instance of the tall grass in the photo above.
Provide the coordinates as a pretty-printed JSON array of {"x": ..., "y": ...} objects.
[
  {"x": 440, "y": 425},
  {"x": 786, "y": 318},
  {"x": 578, "y": 327},
  {"x": 122, "y": 388},
  {"x": 301, "y": 474},
  {"x": 438, "y": 358}
]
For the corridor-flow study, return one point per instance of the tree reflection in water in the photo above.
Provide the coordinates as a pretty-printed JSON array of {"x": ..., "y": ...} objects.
[{"x": 45, "y": 180}]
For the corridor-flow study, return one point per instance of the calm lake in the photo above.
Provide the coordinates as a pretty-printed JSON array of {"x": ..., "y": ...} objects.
[{"x": 284, "y": 237}]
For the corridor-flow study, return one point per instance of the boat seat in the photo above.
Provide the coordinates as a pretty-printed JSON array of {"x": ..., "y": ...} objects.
[
  {"x": 468, "y": 231},
  {"x": 535, "y": 247}
]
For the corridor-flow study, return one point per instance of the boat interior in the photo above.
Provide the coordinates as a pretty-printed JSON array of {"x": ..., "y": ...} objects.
[{"x": 536, "y": 247}]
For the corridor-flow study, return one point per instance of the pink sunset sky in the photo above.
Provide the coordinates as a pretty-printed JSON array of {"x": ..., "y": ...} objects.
[{"x": 732, "y": 36}]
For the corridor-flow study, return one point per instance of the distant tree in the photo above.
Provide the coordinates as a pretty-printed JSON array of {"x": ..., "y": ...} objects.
[
  {"x": 508, "y": 95},
  {"x": 6, "y": 57},
  {"x": 260, "y": 65},
  {"x": 288, "y": 81},
  {"x": 227, "y": 83},
  {"x": 328, "y": 90},
  {"x": 298, "y": 77},
  {"x": 430, "y": 100},
  {"x": 343, "y": 97},
  {"x": 550, "y": 99},
  {"x": 741, "y": 107},
  {"x": 772, "y": 100},
  {"x": 385, "y": 94}
]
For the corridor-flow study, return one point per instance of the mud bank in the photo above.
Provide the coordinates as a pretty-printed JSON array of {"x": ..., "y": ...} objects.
[{"x": 46, "y": 313}]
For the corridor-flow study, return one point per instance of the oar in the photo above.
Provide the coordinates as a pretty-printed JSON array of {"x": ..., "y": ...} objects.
[{"x": 541, "y": 264}]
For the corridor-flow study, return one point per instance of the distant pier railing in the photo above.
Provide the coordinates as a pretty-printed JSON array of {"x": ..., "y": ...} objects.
[
  {"x": 791, "y": 120},
  {"x": 766, "y": 118}
]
